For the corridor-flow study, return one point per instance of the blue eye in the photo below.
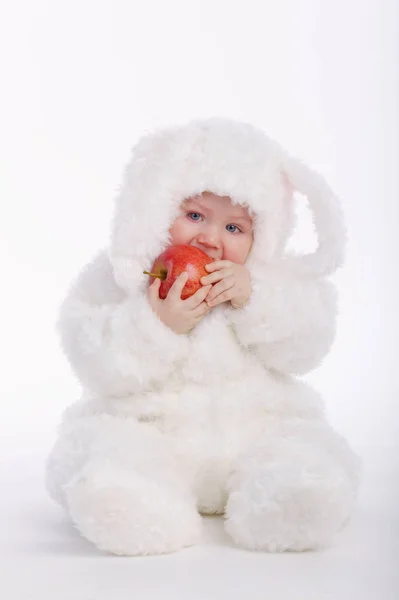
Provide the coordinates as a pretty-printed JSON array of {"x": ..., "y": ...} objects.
[
  {"x": 198, "y": 215},
  {"x": 231, "y": 225}
]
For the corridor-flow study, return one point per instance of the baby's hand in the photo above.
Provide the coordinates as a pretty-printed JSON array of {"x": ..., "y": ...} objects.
[
  {"x": 234, "y": 283},
  {"x": 179, "y": 315}
]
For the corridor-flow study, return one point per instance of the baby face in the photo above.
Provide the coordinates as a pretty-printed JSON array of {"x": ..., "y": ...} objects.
[{"x": 214, "y": 225}]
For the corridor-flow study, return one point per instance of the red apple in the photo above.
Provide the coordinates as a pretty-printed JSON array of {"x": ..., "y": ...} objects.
[{"x": 174, "y": 261}]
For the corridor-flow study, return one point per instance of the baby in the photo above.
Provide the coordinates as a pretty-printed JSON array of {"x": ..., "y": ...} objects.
[
  {"x": 205, "y": 223},
  {"x": 194, "y": 406}
]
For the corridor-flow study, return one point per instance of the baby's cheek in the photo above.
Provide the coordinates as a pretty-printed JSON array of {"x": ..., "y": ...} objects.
[
  {"x": 234, "y": 256},
  {"x": 178, "y": 233},
  {"x": 237, "y": 250}
]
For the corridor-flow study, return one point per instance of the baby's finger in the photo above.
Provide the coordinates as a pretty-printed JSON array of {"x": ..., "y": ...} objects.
[
  {"x": 224, "y": 297},
  {"x": 177, "y": 287},
  {"x": 216, "y": 276},
  {"x": 153, "y": 290},
  {"x": 222, "y": 286},
  {"x": 217, "y": 265},
  {"x": 198, "y": 297},
  {"x": 201, "y": 310}
]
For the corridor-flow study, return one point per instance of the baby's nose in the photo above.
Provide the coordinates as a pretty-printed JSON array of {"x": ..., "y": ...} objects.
[
  {"x": 210, "y": 246},
  {"x": 209, "y": 239}
]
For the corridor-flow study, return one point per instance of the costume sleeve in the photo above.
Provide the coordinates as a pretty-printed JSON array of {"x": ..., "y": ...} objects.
[
  {"x": 115, "y": 344},
  {"x": 289, "y": 321}
]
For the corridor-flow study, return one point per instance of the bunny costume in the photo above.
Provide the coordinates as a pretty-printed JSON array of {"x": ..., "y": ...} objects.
[{"x": 170, "y": 426}]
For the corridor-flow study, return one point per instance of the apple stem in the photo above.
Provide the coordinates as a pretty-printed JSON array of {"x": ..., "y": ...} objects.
[{"x": 157, "y": 275}]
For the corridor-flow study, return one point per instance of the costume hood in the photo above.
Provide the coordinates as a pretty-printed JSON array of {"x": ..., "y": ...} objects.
[{"x": 227, "y": 158}]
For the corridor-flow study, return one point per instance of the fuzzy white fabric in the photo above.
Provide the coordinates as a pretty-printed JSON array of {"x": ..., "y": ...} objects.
[{"x": 217, "y": 421}]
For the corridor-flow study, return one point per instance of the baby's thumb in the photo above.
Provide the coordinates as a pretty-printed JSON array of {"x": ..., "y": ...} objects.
[{"x": 153, "y": 290}]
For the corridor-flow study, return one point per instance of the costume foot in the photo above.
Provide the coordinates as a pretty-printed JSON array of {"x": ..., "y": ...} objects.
[
  {"x": 288, "y": 506},
  {"x": 136, "y": 517}
]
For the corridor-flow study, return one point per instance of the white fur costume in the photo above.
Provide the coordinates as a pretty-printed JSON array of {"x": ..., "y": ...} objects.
[{"x": 217, "y": 421}]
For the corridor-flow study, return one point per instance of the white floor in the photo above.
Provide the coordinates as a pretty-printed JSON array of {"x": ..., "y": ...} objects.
[{"x": 42, "y": 557}]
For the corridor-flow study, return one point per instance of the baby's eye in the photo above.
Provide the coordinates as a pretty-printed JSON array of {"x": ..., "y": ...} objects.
[
  {"x": 196, "y": 214},
  {"x": 236, "y": 228}
]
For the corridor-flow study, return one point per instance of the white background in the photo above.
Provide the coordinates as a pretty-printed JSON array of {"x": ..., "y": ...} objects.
[{"x": 80, "y": 82}]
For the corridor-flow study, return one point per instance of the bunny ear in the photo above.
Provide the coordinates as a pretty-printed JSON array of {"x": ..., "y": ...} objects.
[{"x": 328, "y": 220}]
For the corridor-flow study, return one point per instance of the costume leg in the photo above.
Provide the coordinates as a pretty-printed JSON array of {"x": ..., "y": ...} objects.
[
  {"x": 122, "y": 486},
  {"x": 294, "y": 491}
]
